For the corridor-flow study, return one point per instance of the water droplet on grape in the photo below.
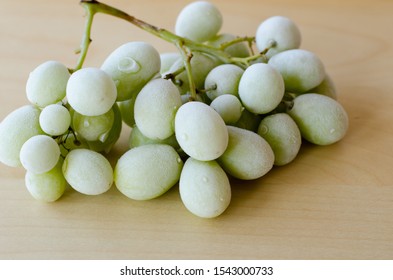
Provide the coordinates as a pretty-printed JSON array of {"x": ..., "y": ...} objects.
[
  {"x": 128, "y": 65},
  {"x": 86, "y": 123},
  {"x": 178, "y": 160},
  {"x": 103, "y": 137},
  {"x": 264, "y": 129},
  {"x": 205, "y": 180},
  {"x": 332, "y": 130},
  {"x": 184, "y": 137}
]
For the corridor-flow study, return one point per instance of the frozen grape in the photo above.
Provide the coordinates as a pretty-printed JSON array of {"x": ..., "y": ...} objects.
[
  {"x": 277, "y": 33},
  {"x": 147, "y": 171},
  {"x": 321, "y": 119},
  {"x": 88, "y": 172},
  {"x": 55, "y": 119},
  {"x": 239, "y": 49},
  {"x": 47, "y": 83},
  {"x": 91, "y": 92},
  {"x": 131, "y": 66},
  {"x": 248, "y": 155},
  {"x": 283, "y": 136},
  {"x": 327, "y": 87},
  {"x": 204, "y": 188},
  {"x": 229, "y": 107},
  {"x": 302, "y": 70},
  {"x": 200, "y": 131},
  {"x": 19, "y": 126},
  {"x": 261, "y": 88},
  {"x": 223, "y": 79},
  {"x": 48, "y": 186},
  {"x": 198, "y": 21},
  {"x": 39, "y": 154},
  {"x": 155, "y": 108}
]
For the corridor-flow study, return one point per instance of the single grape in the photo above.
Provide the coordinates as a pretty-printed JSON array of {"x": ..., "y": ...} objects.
[
  {"x": 321, "y": 119},
  {"x": 39, "y": 154},
  {"x": 327, "y": 87},
  {"x": 204, "y": 188},
  {"x": 223, "y": 79},
  {"x": 147, "y": 171},
  {"x": 201, "y": 65},
  {"x": 91, "y": 92},
  {"x": 16, "y": 128},
  {"x": 48, "y": 186},
  {"x": 261, "y": 88},
  {"x": 167, "y": 60},
  {"x": 198, "y": 21},
  {"x": 93, "y": 128},
  {"x": 47, "y": 83},
  {"x": 229, "y": 107},
  {"x": 155, "y": 108},
  {"x": 138, "y": 139},
  {"x": 131, "y": 66},
  {"x": 283, "y": 136},
  {"x": 248, "y": 155},
  {"x": 236, "y": 50},
  {"x": 127, "y": 111},
  {"x": 302, "y": 70},
  {"x": 55, "y": 119},
  {"x": 88, "y": 172},
  {"x": 200, "y": 131},
  {"x": 277, "y": 33}
]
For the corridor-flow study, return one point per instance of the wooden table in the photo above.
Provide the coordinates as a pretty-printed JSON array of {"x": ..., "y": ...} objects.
[{"x": 333, "y": 202}]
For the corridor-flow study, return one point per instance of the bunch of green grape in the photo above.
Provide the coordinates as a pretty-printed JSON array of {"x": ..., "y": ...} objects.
[{"x": 244, "y": 121}]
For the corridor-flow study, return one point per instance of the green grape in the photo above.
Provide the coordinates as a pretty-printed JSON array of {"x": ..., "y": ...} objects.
[
  {"x": 131, "y": 66},
  {"x": 200, "y": 131},
  {"x": 91, "y": 92},
  {"x": 321, "y": 119},
  {"x": 47, "y": 83},
  {"x": 248, "y": 155},
  {"x": 87, "y": 172},
  {"x": 55, "y": 119},
  {"x": 69, "y": 143},
  {"x": 16, "y": 128},
  {"x": 223, "y": 79},
  {"x": 327, "y": 87},
  {"x": 229, "y": 107},
  {"x": 93, "y": 128},
  {"x": 283, "y": 136},
  {"x": 48, "y": 186},
  {"x": 277, "y": 33},
  {"x": 236, "y": 50},
  {"x": 167, "y": 60},
  {"x": 198, "y": 21},
  {"x": 111, "y": 137},
  {"x": 261, "y": 88},
  {"x": 147, "y": 171},
  {"x": 155, "y": 108},
  {"x": 127, "y": 111},
  {"x": 204, "y": 188},
  {"x": 302, "y": 70},
  {"x": 249, "y": 121},
  {"x": 201, "y": 65},
  {"x": 138, "y": 139},
  {"x": 39, "y": 154}
]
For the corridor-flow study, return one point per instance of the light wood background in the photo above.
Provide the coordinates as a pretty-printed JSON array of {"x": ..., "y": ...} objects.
[{"x": 332, "y": 202}]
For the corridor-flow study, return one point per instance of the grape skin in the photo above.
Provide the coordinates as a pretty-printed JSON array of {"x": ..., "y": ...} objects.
[
  {"x": 16, "y": 128},
  {"x": 93, "y": 128},
  {"x": 47, "y": 83},
  {"x": 321, "y": 119},
  {"x": 39, "y": 154},
  {"x": 229, "y": 107},
  {"x": 147, "y": 171},
  {"x": 198, "y": 21},
  {"x": 204, "y": 188},
  {"x": 55, "y": 119},
  {"x": 248, "y": 155},
  {"x": 236, "y": 50},
  {"x": 200, "y": 131},
  {"x": 87, "y": 172},
  {"x": 91, "y": 92},
  {"x": 261, "y": 88},
  {"x": 155, "y": 108}
]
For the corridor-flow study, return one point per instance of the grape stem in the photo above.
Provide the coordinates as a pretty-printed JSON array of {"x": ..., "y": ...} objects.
[{"x": 185, "y": 46}]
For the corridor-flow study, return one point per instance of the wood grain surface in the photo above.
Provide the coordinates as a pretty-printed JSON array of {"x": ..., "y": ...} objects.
[{"x": 333, "y": 202}]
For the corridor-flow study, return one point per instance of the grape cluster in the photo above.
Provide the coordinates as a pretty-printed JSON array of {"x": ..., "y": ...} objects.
[{"x": 247, "y": 115}]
